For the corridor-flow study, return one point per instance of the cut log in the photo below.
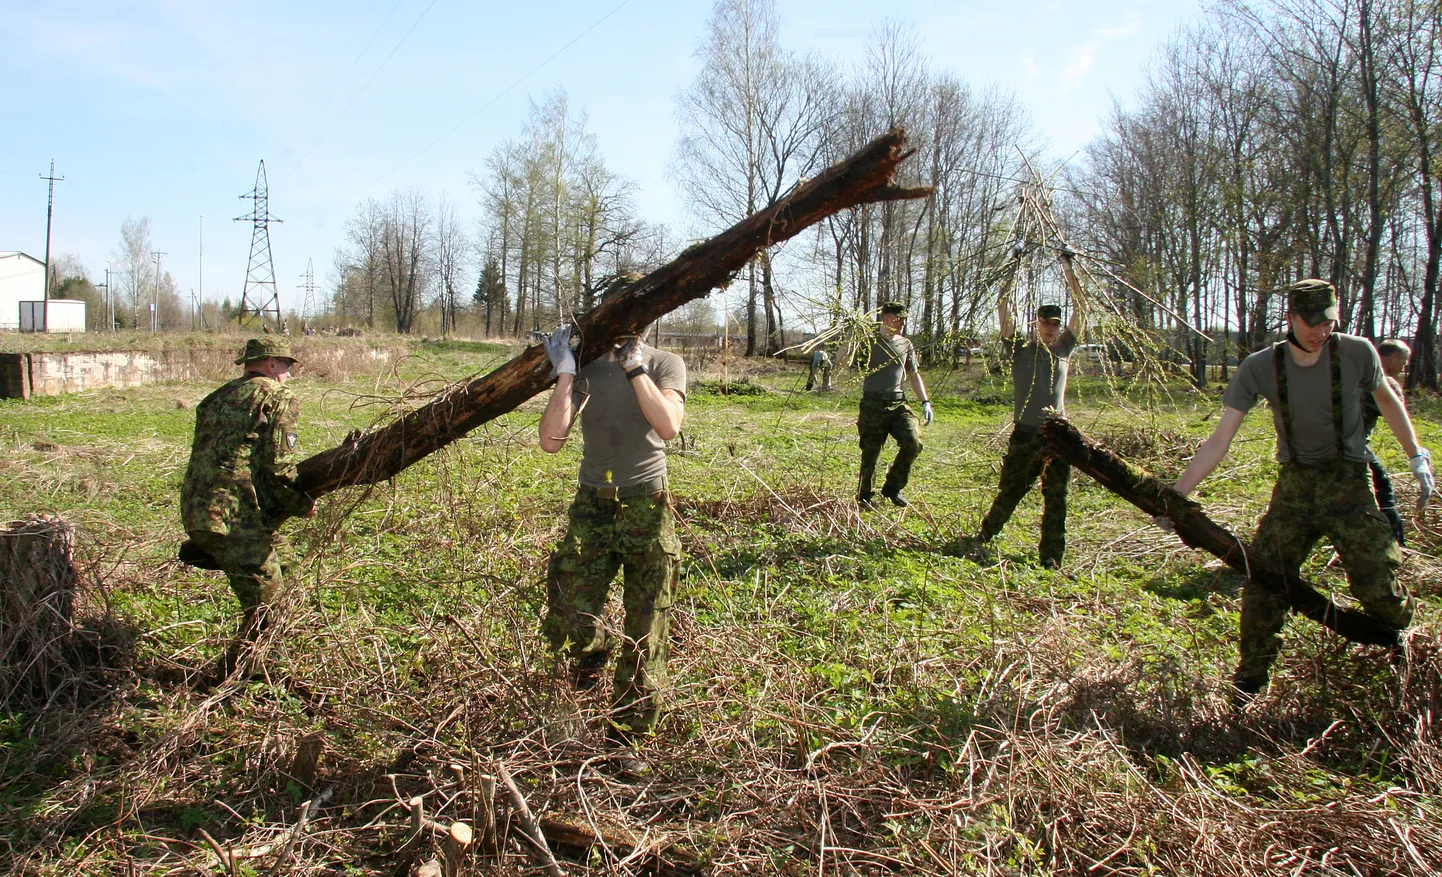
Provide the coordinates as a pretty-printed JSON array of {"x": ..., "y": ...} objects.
[
  {"x": 865, "y": 177},
  {"x": 38, "y": 590},
  {"x": 1157, "y": 498},
  {"x": 577, "y": 840}
]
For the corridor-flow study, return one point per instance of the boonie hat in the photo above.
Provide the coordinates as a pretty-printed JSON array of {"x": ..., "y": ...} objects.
[
  {"x": 1313, "y": 300},
  {"x": 265, "y": 348},
  {"x": 1048, "y": 312},
  {"x": 893, "y": 307}
]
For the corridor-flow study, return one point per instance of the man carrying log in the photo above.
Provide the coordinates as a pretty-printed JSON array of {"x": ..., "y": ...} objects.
[
  {"x": 629, "y": 401},
  {"x": 240, "y": 484},
  {"x": 1394, "y": 355},
  {"x": 1315, "y": 380},
  {"x": 1038, "y": 377},
  {"x": 884, "y": 411}
]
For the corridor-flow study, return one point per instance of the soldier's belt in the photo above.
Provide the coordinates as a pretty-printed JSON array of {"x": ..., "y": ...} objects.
[
  {"x": 627, "y": 491},
  {"x": 884, "y": 397}
]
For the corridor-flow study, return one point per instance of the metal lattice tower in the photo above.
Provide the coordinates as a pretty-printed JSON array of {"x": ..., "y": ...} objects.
[
  {"x": 259, "y": 299},
  {"x": 307, "y": 310}
]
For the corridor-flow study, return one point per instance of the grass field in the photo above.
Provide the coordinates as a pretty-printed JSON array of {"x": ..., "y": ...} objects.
[{"x": 848, "y": 697}]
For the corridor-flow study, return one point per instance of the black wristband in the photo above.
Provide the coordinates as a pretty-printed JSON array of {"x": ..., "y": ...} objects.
[{"x": 633, "y": 374}]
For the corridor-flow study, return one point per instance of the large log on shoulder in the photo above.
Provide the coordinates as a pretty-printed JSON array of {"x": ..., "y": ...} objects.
[
  {"x": 865, "y": 177},
  {"x": 1196, "y": 529}
]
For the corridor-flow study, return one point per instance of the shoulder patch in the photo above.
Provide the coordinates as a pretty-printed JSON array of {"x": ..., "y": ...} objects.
[{"x": 291, "y": 439}]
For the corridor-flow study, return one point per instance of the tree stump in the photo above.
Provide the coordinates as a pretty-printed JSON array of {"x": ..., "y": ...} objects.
[{"x": 38, "y": 587}]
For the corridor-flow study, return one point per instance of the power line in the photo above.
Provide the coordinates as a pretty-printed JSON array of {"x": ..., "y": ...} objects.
[
  {"x": 361, "y": 54},
  {"x": 363, "y": 88},
  {"x": 502, "y": 93}
]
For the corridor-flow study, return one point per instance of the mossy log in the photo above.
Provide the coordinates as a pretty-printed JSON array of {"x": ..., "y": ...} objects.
[
  {"x": 865, "y": 177},
  {"x": 1157, "y": 498}
]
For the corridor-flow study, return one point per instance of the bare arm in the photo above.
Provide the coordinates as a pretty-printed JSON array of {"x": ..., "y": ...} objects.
[
  {"x": 1078, "y": 322},
  {"x": 1004, "y": 313},
  {"x": 918, "y": 386},
  {"x": 665, "y": 409},
  {"x": 1395, "y": 413},
  {"x": 556, "y": 419},
  {"x": 1212, "y": 451}
]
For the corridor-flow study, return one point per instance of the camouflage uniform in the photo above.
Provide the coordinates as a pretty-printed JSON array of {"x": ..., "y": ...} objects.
[
  {"x": 240, "y": 484},
  {"x": 621, "y": 519},
  {"x": 884, "y": 413},
  {"x": 603, "y": 535},
  {"x": 1332, "y": 499},
  {"x": 1025, "y": 460}
]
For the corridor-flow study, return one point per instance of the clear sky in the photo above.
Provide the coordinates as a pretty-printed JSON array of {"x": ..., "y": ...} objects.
[{"x": 163, "y": 108}]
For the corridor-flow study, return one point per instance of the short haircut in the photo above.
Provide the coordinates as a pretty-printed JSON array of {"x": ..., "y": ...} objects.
[{"x": 1394, "y": 347}]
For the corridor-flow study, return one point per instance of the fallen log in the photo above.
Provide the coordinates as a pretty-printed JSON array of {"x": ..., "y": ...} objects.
[
  {"x": 865, "y": 177},
  {"x": 664, "y": 860},
  {"x": 1196, "y": 529}
]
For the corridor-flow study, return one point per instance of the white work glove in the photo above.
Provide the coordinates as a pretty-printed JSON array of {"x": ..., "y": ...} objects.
[
  {"x": 1018, "y": 249},
  {"x": 1165, "y": 523},
  {"x": 558, "y": 351},
  {"x": 632, "y": 354},
  {"x": 927, "y": 415},
  {"x": 1422, "y": 471}
]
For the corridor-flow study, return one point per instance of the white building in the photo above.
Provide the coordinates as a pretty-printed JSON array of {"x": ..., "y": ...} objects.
[{"x": 22, "y": 278}]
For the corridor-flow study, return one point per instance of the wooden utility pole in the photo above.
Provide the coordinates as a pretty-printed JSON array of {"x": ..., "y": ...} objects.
[{"x": 49, "y": 215}]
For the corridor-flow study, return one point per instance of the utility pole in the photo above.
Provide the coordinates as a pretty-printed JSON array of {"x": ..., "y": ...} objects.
[
  {"x": 202, "y": 258},
  {"x": 155, "y": 301},
  {"x": 109, "y": 303},
  {"x": 49, "y": 214}
]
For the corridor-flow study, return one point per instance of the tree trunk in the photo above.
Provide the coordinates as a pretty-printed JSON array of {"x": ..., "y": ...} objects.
[
  {"x": 1199, "y": 531},
  {"x": 864, "y": 177}
]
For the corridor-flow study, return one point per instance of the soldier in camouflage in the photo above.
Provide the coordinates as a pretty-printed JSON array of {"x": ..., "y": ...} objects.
[
  {"x": 884, "y": 411},
  {"x": 1039, "y": 367},
  {"x": 629, "y": 402},
  {"x": 240, "y": 484},
  {"x": 1315, "y": 380}
]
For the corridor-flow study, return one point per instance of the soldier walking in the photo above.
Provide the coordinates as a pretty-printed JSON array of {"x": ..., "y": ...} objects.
[
  {"x": 1315, "y": 380},
  {"x": 629, "y": 402},
  {"x": 240, "y": 484},
  {"x": 884, "y": 411},
  {"x": 1039, "y": 367}
]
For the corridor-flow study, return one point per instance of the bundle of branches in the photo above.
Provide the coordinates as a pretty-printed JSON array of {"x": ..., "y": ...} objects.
[
  {"x": 1026, "y": 267},
  {"x": 38, "y": 586}
]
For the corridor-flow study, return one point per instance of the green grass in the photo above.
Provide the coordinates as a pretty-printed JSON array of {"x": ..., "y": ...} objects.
[{"x": 829, "y": 666}]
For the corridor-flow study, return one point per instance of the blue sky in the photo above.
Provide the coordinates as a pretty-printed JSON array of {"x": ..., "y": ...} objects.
[{"x": 163, "y": 108}]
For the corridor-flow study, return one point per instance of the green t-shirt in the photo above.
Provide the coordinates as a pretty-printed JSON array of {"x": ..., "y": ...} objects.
[
  {"x": 1309, "y": 396},
  {"x": 618, "y": 446},
  {"x": 1038, "y": 376},
  {"x": 889, "y": 361}
]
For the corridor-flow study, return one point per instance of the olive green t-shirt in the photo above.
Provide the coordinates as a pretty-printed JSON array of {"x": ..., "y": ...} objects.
[
  {"x": 1038, "y": 376},
  {"x": 1309, "y": 396},
  {"x": 619, "y": 447},
  {"x": 890, "y": 360}
]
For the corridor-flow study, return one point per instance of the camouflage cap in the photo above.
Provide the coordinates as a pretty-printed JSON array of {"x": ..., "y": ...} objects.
[
  {"x": 893, "y": 307},
  {"x": 265, "y": 348},
  {"x": 1048, "y": 312},
  {"x": 1315, "y": 301}
]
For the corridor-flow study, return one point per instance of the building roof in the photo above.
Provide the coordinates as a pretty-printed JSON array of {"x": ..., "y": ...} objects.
[{"x": 5, "y": 254}]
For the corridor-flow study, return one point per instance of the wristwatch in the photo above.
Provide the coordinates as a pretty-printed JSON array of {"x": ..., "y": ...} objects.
[{"x": 633, "y": 374}]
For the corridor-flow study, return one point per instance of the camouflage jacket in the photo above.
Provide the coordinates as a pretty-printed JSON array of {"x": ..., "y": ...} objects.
[{"x": 241, "y": 477}]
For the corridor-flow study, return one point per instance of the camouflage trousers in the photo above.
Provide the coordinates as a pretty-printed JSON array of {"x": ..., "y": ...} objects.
[
  {"x": 253, "y": 563},
  {"x": 638, "y": 536},
  {"x": 1333, "y": 500},
  {"x": 877, "y": 420},
  {"x": 1025, "y": 460}
]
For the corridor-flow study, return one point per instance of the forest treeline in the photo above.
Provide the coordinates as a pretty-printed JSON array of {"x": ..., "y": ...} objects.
[{"x": 1269, "y": 141}]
